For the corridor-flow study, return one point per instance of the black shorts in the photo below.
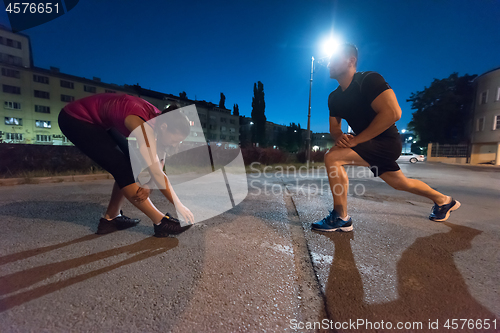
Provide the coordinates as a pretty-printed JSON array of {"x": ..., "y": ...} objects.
[
  {"x": 381, "y": 153},
  {"x": 108, "y": 148}
]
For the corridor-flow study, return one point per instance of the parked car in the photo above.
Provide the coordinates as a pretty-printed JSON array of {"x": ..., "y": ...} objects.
[{"x": 410, "y": 157}]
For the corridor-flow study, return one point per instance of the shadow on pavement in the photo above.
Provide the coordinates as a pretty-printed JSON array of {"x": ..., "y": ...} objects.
[
  {"x": 143, "y": 249},
  {"x": 34, "y": 252},
  {"x": 82, "y": 213},
  {"x": 429, "y": 285}
]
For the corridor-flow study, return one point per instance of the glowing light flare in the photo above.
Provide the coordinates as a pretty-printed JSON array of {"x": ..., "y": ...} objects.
[{"x": 331, "y": 46}]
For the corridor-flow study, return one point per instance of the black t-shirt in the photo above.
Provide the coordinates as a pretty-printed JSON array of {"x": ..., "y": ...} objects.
[{"x": 354, "y": 104}]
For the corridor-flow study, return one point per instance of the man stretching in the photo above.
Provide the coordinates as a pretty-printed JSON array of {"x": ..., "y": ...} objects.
[{"x": 370, "y": 107}]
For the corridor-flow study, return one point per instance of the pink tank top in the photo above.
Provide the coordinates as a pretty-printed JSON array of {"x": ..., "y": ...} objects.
[{"x": 110, "y": 110}]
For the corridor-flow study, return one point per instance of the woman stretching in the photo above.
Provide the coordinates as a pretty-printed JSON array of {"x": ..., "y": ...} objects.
[{"x": 98, "y": 125}]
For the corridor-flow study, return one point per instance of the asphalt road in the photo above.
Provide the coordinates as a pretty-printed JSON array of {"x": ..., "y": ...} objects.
[{"x": 257, "y": 267}]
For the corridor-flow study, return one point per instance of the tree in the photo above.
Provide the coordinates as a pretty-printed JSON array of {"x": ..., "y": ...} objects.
[
  {"x": 236, "y": 110},
  {"x": 258, "y": 114},
  {"x": 183, "y": 95},
  {"x": 291, "y": 139},
  {"x": 222, "y": 101},
  {"x": 443, "y": 110}
]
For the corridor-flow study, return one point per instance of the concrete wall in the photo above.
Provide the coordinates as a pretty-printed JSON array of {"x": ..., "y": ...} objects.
[
  {"x": 485, "y": 152},
  {"x": 459, "y": 160}
]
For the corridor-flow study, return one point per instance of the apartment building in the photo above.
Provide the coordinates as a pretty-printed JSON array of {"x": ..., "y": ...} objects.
[
  {"x": 32, "y": 98},
  {"x": 321, "y": 141},
  {"x": 486, "y": 126}
]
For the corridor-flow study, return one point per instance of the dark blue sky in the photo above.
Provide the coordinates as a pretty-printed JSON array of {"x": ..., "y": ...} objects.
[{"x": 208, "y": 47}]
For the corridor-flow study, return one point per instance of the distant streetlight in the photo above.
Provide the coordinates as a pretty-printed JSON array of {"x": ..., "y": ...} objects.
[
  {"x": 407, "y": 140},
  {"x": 330, "y": 46}
]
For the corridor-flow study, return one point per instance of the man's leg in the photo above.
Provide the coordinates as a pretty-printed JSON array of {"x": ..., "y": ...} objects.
[
  {"x": 115, "y": 203},
  {"x": 398, "y": 181},
  {"x": 335, "y": 159}
]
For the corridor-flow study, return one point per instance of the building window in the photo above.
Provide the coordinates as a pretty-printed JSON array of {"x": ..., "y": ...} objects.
[
  {"x": 13, "y": 121},
  {"x": 43, "y": 124},
  {"x": 480, "y": 125},
  {"x": 232, "y": 121},
  {"x": 223, "y": 137},
  {"x": 14, "y": 137},
  {"x": 223, "y": 128},
  {"x": 12, "y": 105},
  {"x": 11, "y": 43},
  {"x": 483, "y": 99},
  {"x": 10, "y": 59},
  {"x": 223, "y": 120},
  {"x": 42, "y": 94},
  {"x": 67, "y": 84},
  {"x": 66, "y": 98},
  {"x": 89, "y": 89},
  {"x": 498, "y": 94},
  {"x": 232, "y": 137},
  {"x": 232, "y": 130},
  {"x": 11, "y": 73},
  {"x": 496, "y": 122},
  {"x": 43, "y": 138},
  {"x": 11, "y": 89},
  {"x": 42, "y": 109},
  {"x": 60, "y": 137},
  {"x": 110, "y": 91},
  {"x": 40, "y": 79}
]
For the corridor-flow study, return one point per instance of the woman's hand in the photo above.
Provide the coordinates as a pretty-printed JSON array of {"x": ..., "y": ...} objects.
[
  {"x": 142, "y": 194},
  {"x": 185, "y": 212}
]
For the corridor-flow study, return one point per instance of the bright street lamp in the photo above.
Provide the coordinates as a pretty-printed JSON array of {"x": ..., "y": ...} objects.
[{"x": 330, "y": 46}]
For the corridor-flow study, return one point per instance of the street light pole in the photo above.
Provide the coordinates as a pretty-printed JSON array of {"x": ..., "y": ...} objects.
[{"x": 308, "y": 140}]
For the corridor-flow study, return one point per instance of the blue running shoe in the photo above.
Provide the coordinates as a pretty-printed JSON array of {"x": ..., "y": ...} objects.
[
  {"x": 441, "y": 213},
  {"x": 332, "y": 223}
]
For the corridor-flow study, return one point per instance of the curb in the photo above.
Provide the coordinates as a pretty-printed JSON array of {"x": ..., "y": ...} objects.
[{"x": 56, "y": 179}]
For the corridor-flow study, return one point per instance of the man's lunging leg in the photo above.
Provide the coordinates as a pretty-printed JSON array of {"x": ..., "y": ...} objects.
[
  {"x": 335, "y": 159},
  {"x": 443, "y": 204}
]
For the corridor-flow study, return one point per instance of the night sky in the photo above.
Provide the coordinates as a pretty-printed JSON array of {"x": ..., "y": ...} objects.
[{"x": 209, "y": 47}]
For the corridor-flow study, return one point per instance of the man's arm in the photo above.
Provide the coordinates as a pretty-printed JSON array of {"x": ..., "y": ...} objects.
[
  {"x": 335, "y": 128},
  {"x": 388, "y": 112},
  {"x": 341, "y": 140}
]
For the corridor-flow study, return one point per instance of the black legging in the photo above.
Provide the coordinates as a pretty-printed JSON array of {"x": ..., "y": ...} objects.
[{"x": 108, "y": 148}]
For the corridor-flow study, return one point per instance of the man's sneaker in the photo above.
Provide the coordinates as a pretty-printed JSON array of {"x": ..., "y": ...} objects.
[
  {"x": 169, "y": 226},
  {"x": 118, "y": 223},
  {"x": 441, "y": 213},
  {"x": 332, "y": 223}
]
